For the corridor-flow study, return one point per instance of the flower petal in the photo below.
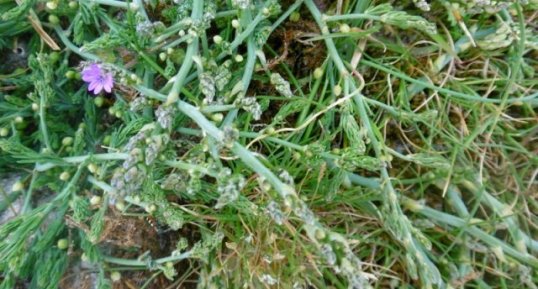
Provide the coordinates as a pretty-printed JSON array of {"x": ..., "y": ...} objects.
[
  {"x": 107, "y": 88},
  {"x": 91, "y": 73},
  {"x": 93, "y": 85},
  {"x": 108, "y": 83},
  {"x": 88, "y": 77},
  {"x": 98, "y": 88}
]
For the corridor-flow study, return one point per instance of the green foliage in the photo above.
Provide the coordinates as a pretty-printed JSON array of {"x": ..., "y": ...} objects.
[{"x": 357, "y": 145}]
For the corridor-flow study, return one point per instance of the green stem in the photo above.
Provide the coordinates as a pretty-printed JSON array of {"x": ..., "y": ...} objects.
[
  {"x": 190, "y": 167},
  {"x": 354, "y": 16},
  {"x": 192, "y": 50},
  {"x": 286, "y": 14},
  {"x": 459, "y": 95},
  {"x": 113, "y": 3},
  {"x": 42, "y": 122},
  {"x": 400, "y": 224},
  {"x": 80, "y": 159},
  {"x": 243, "y": 35},
  {"x": 140, "y": 263},
  {"x": 472, "y": 230},
  {"x": 503, "y": 211},
  {"x": 247, "y": 75}
]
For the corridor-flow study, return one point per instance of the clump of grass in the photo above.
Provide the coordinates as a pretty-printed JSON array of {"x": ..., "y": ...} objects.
[{"x": 269, "y": 144}]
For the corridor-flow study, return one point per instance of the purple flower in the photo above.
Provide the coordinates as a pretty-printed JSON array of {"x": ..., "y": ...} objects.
[{"x": 97, "y": 79}]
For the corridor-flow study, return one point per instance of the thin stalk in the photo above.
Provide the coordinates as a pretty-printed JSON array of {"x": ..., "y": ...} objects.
[
  {"x": 247, "y": 77},
  {"x": 243, "y": 35},
  {"x": 286, "y": 192},
  {"x": 360, "y": 180},
  {"x": 353, "y": 16},
  {"x": 176, "y": 42},
  {"x": 504, "y": 211},
  {"x": 42, "y": 122},
  {"x": 456, "y": 94},
  {"x": 80, "y": 159},
  {"x": 192, "y": 50},
  {"x": 286, "y": 14},
  {"x": 400, "y": 225},
  {"x": 115, "y": 3},
  {"x": 190, "y": 167},
  {"x": 72, "y": 47},
  {"x": 453, "y": 221},
  {"x": 140, "y": 263}
]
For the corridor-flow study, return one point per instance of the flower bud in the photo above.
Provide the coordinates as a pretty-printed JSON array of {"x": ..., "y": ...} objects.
[
  {"x": 337, "y": 90},
  {"x": 151, "y": 208},
  {"x": 64, "y": 176},
  {"x": 235, "y": 23},
  {"x": 318, "y": 73},
  {"x": 35, "y": 106},
  {"x": 217, "y": 117},
  {"x": 17, "y": 186},
  {"x": 115, "y": 276},
  {"x": 217, "y": 39},
  {"x": 92, "y": 168},
  {"x": 52, "y": 5},
  {"x": 344, "y": 28},
  {"x": 120, "y": 205},
  {"x": 95, "y": 200}
]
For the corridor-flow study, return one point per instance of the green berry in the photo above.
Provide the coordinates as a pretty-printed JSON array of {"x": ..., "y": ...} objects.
[
  {"x": 53, "y": 19},
  {"x": 295, "y": 16},
  {"x": 70, "y": 74},
  {"x": 62, "y": 244},
  {"x": 318, "y": 73},
  {"x": 99, "y": 101},
  {"x": 4, "y": 132},
  {"x": 67, "y": 141},
  {"x": 106, "y": 140},
  {"x": 54, "y": 56}
]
